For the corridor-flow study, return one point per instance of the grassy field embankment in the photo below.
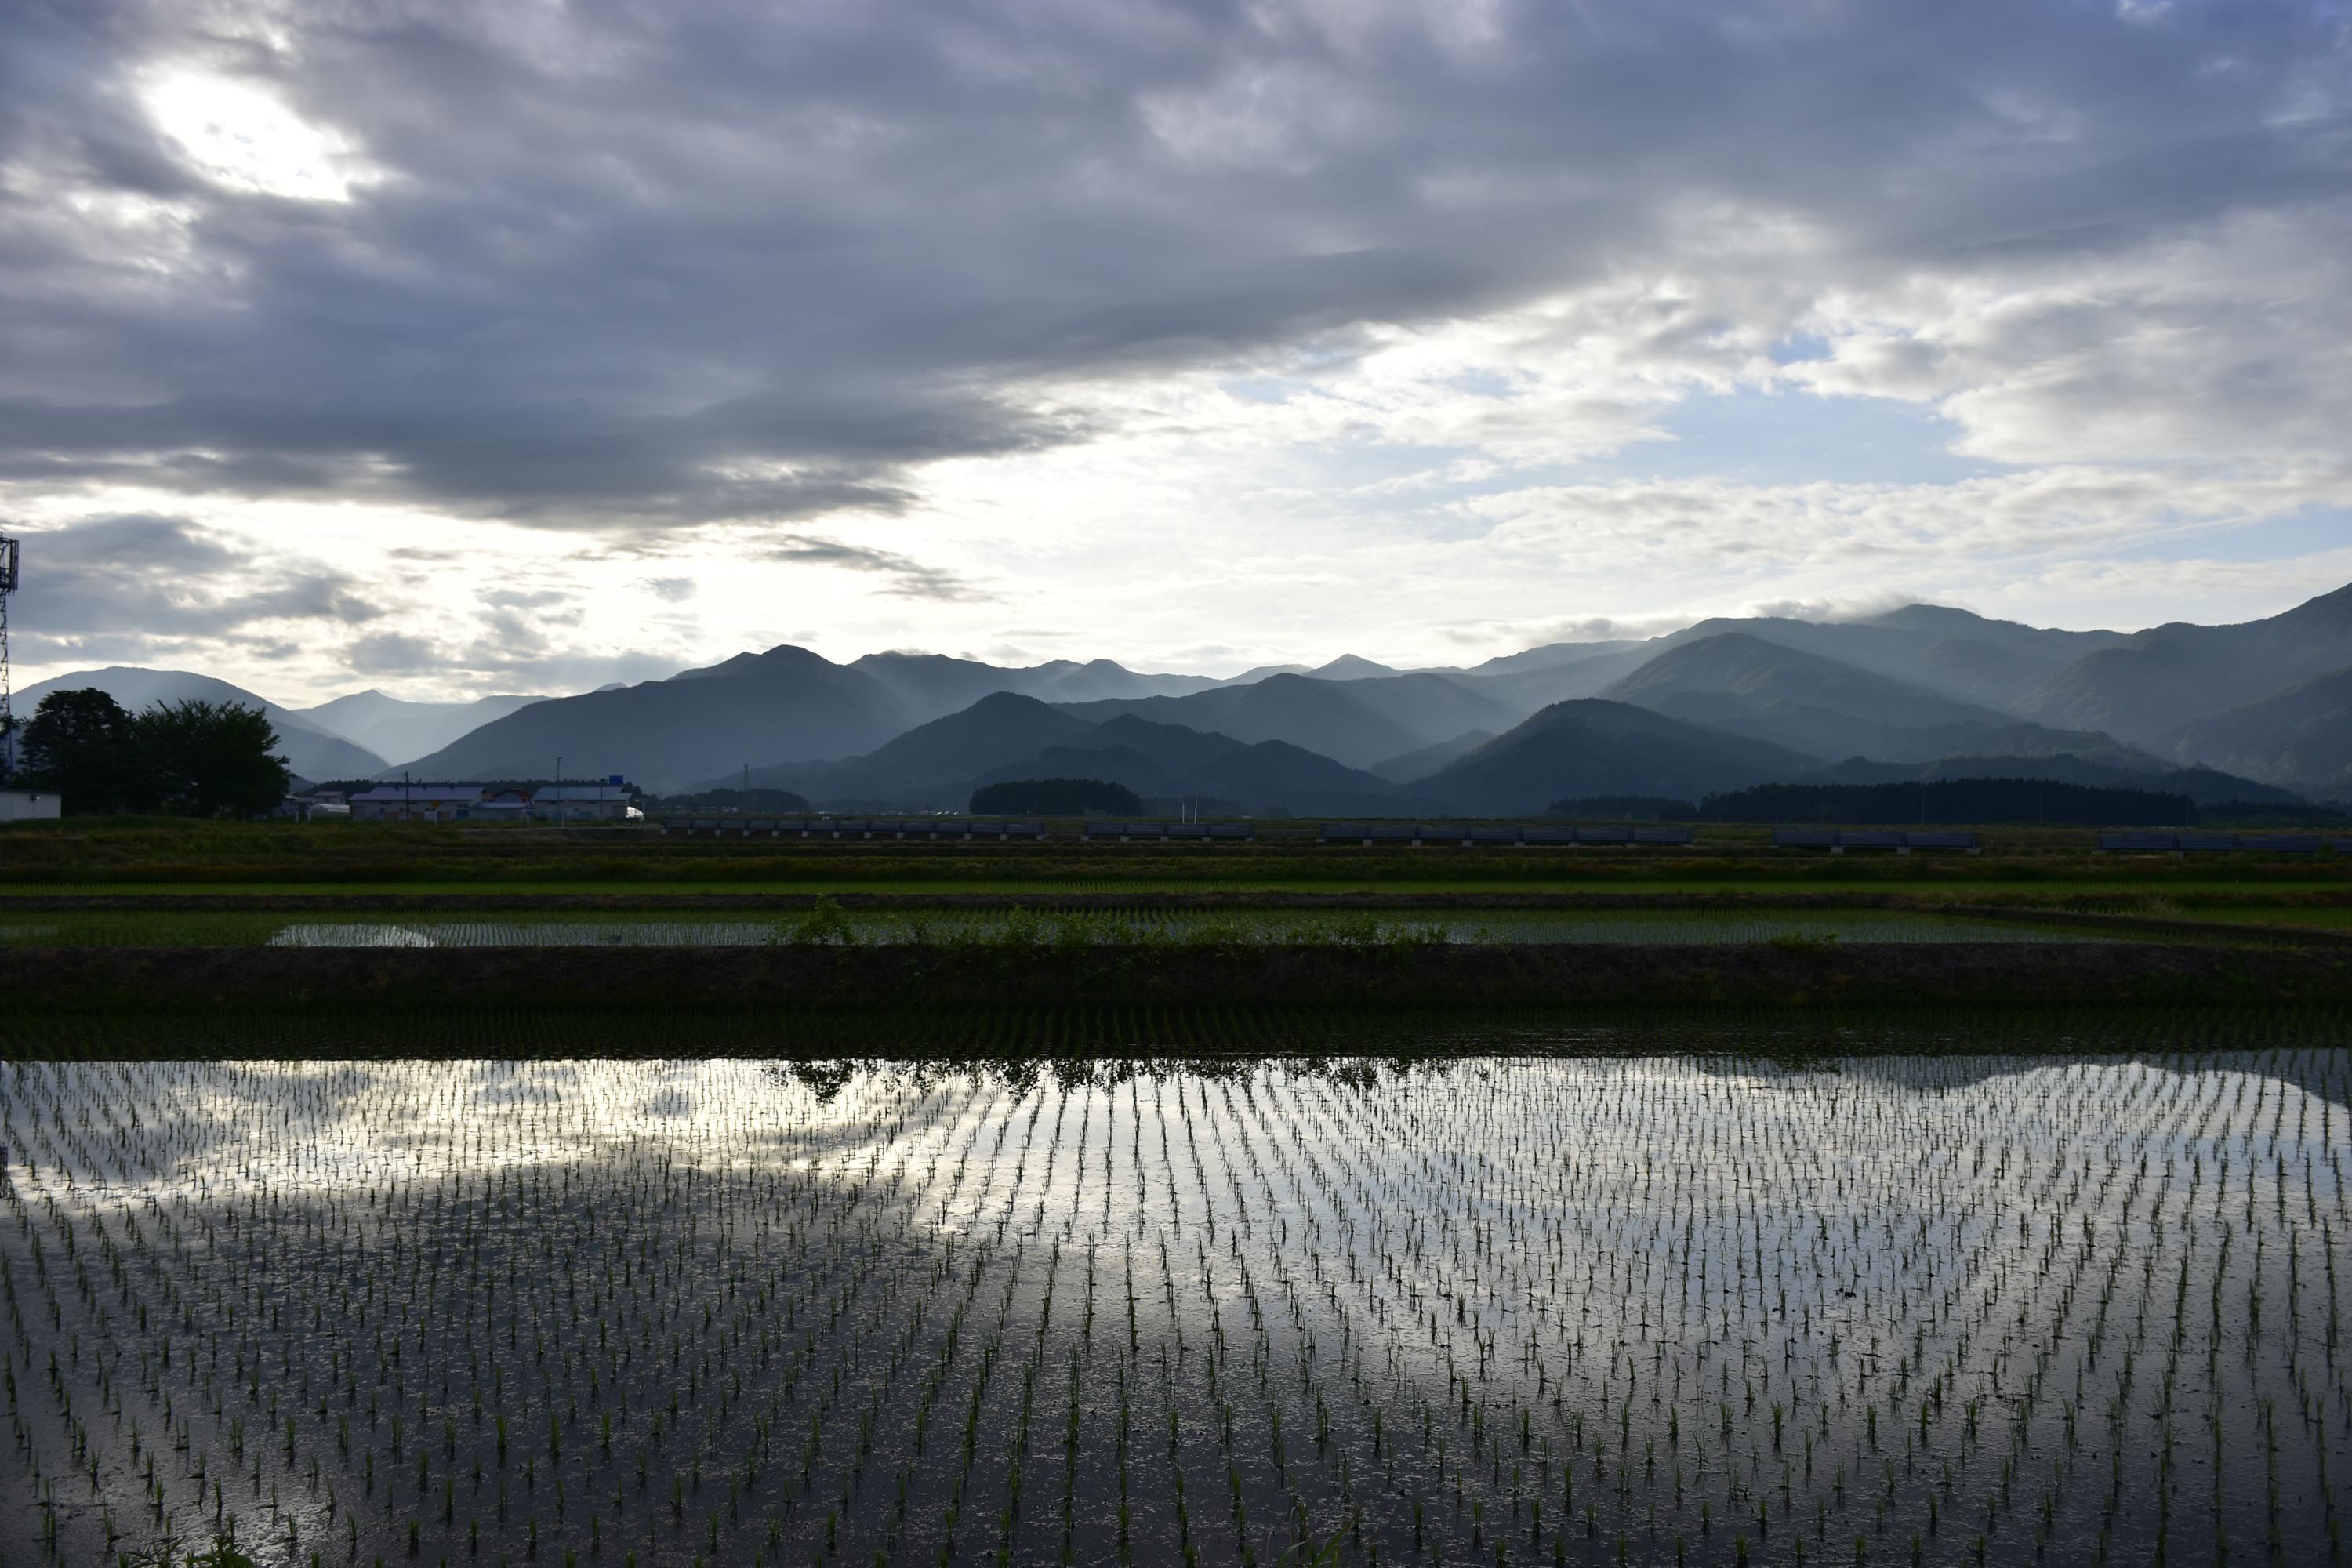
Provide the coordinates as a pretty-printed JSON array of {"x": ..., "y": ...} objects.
[
  {"x": 138, "y": 858},
  {"x": 2127, "y": 931}
]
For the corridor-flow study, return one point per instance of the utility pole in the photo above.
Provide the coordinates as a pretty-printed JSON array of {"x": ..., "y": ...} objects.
[{"x": 558, "y": 789}]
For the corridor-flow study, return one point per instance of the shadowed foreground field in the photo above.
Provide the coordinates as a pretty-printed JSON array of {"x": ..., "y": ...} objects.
[{"x": 1432, "y": 978}]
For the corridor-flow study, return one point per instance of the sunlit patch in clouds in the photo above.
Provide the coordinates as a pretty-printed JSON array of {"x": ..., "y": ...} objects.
[{"x": 238, "y": 136}]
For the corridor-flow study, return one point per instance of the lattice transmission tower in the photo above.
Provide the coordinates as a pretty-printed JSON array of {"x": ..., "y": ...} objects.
[{"x": 8, "y": 577}]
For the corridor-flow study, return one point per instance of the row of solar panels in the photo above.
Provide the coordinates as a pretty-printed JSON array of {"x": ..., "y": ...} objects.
[
  {"x": 1838, "y": 839},
  {"x": 854, "y": 827},
  {"x": 1174, "y": 832},
  {"x": 1383, "y": 833},
  {"x": 2184, "y": 843}
]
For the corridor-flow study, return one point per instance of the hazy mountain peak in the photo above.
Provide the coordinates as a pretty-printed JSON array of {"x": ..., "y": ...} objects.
[
  {"x": 783, "y": 656},
  {"x": 1746, "y": 685},
  {"x": 1585, "y": 746},
  {"x": 1003, "y": 704},
  {"x": 1349, "y": 667},
  {"x": 784, "y": 703},
  {"x": 910, "y": 656},
  {"x": 398, "y": 728},
  {"x": 1250, "y": 676},
  {"x": 1947, "y": 620},
  {"x": 1740, "y": 663},
  {"x": 2149, "y": 682}
]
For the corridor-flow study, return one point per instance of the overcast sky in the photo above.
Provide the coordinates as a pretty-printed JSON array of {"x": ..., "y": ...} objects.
[{"x": 466, "y": 347}]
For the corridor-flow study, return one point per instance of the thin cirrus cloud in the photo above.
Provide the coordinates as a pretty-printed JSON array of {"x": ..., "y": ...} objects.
[{"x": 1029, "y": 310}]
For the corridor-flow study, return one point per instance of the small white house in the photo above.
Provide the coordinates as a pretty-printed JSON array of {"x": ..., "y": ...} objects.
[
  {"x": 30, "y": 805},
  {"x": 314, "y": 805}
]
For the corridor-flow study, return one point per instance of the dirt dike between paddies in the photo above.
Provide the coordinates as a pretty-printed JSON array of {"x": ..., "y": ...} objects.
[
  {"x": 1944, "y": 976},
  {"x": 379, "y": 902},
  {"x": 1738, "y": 900},
  {"x": 851, "y": 902}
]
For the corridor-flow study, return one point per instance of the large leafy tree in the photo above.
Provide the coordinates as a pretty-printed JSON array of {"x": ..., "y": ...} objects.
[
  {"x": 83, "y": 745},
  {"x": 213, "y": 759},
  {"x": 194, "y": 759}
]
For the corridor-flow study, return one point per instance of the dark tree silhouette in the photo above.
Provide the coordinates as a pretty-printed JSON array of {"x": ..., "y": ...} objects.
[
  {"x": 1624, "y": 808},
  {"x": 190, "y": 759},
  {"x": 213, "y": 759},
  {"x": 84, "y": 746},
  {"x": 1943, "y": 801},
  {"x": 1056, "y": 797}
]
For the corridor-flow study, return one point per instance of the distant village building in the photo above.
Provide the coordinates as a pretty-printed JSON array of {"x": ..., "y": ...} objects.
[
  {"x": 474, "y": 802},
  {"x": 30, "y": 805},
  {"x": 504, "y": 805},
  {"x": 416, "y": 803},
  {"x": 611, "y": 802},
  {"x": 313, "y": 805}
]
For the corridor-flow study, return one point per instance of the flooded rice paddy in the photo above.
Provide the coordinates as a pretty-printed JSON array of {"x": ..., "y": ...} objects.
[
  {"x": 1679, "y": 1309},
  {"x": 1025, "y": 927}
]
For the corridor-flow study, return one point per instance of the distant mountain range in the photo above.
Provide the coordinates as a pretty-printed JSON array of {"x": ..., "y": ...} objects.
[
  {"x": 932, "y": 686},
  {"x": 2300, "y": 736},
  {"x": 1741, "y": 684},
  {"x": 1358, "y": 721},
  {"x": 936, "y": 766},
  {"x": 2261, "y": 710},
  {"x": 2152, "y": 682}
]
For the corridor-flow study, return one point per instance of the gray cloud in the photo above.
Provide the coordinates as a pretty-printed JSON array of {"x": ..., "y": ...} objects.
[
  {"x": 142, "y": 586},
  {"x": 528, "y": 662},
  {"x": 1513, "y": 634},
  {"x": 658, "y": 266},
  {"x": 392, "y": 653},
  {"x": 1843, "y": 609},
  {"x": 908, "y": 578}
]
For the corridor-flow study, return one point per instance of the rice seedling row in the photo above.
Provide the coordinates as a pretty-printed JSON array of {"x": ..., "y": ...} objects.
[
  {"x": 1510, "y": 1310},
  {"x": 1017, "y": 927}
]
